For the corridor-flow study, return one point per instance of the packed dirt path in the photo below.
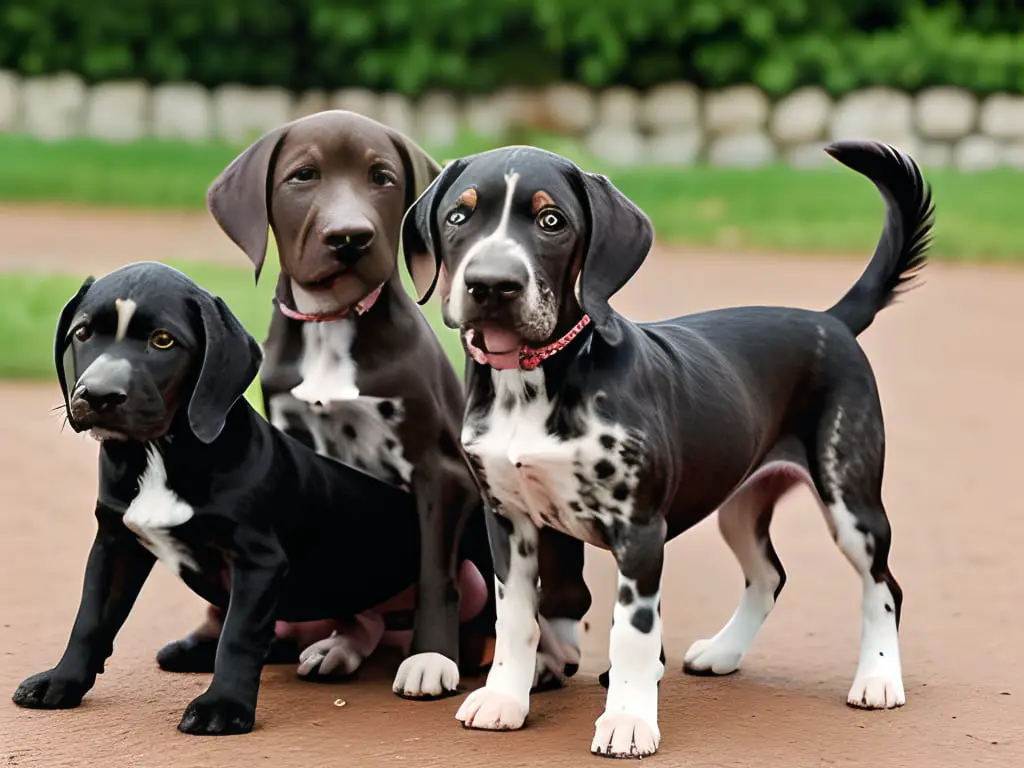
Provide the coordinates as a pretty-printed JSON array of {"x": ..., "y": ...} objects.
[{"x": 950, "y": 367}]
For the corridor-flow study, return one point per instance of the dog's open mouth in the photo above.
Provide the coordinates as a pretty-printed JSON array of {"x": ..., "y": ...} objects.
[
  {"x": 494, "y": 346},
  {"x": 324, "y": 283}
]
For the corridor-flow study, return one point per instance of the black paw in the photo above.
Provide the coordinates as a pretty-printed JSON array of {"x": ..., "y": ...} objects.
[
  {"x": 210, "y": 715},
  {"x": 190, "y": 654},
  {"x": 48, "y": 690}
]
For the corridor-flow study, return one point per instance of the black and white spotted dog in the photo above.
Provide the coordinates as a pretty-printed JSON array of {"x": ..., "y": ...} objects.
[{"x": 626, "y": 434}]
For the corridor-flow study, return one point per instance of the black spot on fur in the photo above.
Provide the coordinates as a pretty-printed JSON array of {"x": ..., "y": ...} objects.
[
  {"x": 349, "y": 431},
  {"x": 575, "y": 506},
  {"x": 529, "y": 392},
  {"x": 888, "y": 608},
  {"x": 869, "y": 548},
  {"x": 359, "y": 463},
  {"x": 621, "y": 492},
  {"x": 604, "y": 469},
  {"x": 390, "y": 444},
  {"x": 508, "y": 401},
  {"x": 625, "y": 595},
  {"x": 526, "y": 548},
  {"x": 386, "y": 409},
  {"x": 607, "y": 442},
  {"x": 501, "y": 592},
  {"x": 643, "y": 620}
]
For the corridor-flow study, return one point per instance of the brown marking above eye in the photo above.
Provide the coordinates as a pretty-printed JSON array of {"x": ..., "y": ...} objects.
[
  {"x": 541, "y": 200},
  {"x": 468, "y": 198}
]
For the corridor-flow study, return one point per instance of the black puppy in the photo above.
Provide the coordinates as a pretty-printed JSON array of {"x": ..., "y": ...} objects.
[
  {"x": 625, "y": 435},
  {"x": 155, "y": 367}
]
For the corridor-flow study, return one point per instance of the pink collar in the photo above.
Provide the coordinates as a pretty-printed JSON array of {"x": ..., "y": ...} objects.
[
  {"x": 529, "y": 357},
  {"x": 361, "y": 307}
]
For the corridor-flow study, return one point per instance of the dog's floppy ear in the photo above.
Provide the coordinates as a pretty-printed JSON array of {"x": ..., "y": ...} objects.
[
  {"x": 231, "y": 359},
  {"x": 63, "y": 353},
  {"x": 618, "y": 239},
  {"x": 239, "y": 197},
  {"x": 421, "y": 241},
  {"x": 420, "y": 168}
]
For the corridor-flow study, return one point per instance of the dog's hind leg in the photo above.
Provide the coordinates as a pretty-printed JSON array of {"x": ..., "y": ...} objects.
[
  {"x": 744, "y": 522},
  {"x": 848, "y": 477}
]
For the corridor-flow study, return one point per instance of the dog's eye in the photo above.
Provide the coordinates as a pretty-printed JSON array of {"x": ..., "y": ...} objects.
[
  {"x": 305, "y": 173},
  {"x": 382, "y": 177},
  {"x": 161, "y": 340},
  {"x": 550, "y": 220},
  {"x": 458, "y": 216},
  {"x": 83, "y": 332}
]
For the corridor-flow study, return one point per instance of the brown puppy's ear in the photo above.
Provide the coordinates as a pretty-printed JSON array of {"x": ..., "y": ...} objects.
[
  {"x": 63, "y": 352},
  {"x": 239, "y": 198},
  {"x": 618, "y": 238},
  {"x": 420, "y": 168},
  {"x": 421, "y": 241}
]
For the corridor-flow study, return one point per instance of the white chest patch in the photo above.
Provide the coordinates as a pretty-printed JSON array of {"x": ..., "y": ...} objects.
[
  {"x": 327, "y": 368},
  {"x": 155, "y": 511},
  {"x": 578, "y": 485}
]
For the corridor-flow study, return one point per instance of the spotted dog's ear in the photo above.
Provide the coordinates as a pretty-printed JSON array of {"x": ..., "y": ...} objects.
[
  {"x": 63, "y": 351},
  {"x": 231, "y": 359},
  {"x": 421, "y": 241},
  {"x": 239, "y": 198},
  {"x": 618, "y": 238}
]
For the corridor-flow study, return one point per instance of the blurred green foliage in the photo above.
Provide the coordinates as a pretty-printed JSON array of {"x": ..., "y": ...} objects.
[{"x": 467, "y": 45}]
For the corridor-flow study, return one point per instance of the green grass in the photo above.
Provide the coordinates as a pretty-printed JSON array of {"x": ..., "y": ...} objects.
[
  {"x": 30, "y": 303},
  {"x": 776, "y": 208}
]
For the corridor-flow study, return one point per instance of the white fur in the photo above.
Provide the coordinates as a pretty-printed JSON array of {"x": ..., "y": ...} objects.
[
  {"x": 629, "y": 725},
  {"x": 426, "y": 675},
  {"x": 504, "y": 701},
  {"x": 156, "y": 510},
  {"x": 327, "y": 368},
  {"x": 125, "y": 309},
  {"x": 529, "y": 470},
  {"x": 878, "y": 683}
]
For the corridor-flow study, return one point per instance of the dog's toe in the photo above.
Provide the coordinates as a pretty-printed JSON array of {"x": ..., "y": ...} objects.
[
  {"x": 426, "y": 676},
  {"x": 190, "y": 654},
  {"x": 491, "y": 710},
  {"x": 48, "y": 690},
  {"x": 877, "y": 691},
  {"x": 215, "y": 716},
  {"x": 619, "y": 734},
  {"x": 330, "y": 658},
  {"x": 712, "y": 657}
]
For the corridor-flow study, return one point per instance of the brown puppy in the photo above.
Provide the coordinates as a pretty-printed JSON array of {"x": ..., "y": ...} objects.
[{"x": 353, "y": 368}]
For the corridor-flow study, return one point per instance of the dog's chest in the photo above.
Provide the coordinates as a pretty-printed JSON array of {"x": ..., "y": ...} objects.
[
  {"x": 155, "y": 512},
  {"x": 344, "y": 424},
  {"x": 582, "y": 485}
]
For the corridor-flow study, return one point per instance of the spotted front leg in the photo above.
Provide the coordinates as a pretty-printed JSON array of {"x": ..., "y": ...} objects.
[
  {"x": 629, "y": 725},
  {"x": 504, "y": 701}
]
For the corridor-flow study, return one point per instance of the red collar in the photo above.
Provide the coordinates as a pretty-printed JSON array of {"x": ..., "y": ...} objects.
[
  {"x": 361, "y": 307},
  {"x": 530, "y": 357}
]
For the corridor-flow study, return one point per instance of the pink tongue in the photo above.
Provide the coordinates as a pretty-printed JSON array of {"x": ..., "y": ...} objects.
[{"x": 505, "y": 345}]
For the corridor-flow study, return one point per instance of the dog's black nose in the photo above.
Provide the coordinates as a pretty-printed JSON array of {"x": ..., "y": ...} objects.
[
  {"x": 496, "y": 280},
  {"x": 103, "y": 398},
  {"x": 349, "y": 244}
]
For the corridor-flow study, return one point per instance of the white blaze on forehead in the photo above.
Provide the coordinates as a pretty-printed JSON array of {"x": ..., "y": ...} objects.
[{"x": 125, "y": 309}]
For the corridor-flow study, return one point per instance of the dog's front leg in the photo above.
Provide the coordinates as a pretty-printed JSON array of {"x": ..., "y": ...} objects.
[
  {"x": 629, "y": 725},
  {"x": 432, "y": 669},
  {"x": 228, "y": 706},
  {"x": 504, "y": 701},
  {"x": 117, "y": 568}
]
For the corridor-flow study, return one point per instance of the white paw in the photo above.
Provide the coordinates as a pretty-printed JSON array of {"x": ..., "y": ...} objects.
[
  {"x": 619, "y": 734},
  {"x": 877, "y": 690},
  {"x": 491, "y": 710},
  {"x": 335, "y": 655},
  {"x": 426, "y": 675},
  {"x": 712, "y": 657}
]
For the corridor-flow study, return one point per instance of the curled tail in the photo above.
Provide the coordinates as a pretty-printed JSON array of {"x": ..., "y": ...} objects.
[{"x": 901, "y": 251}]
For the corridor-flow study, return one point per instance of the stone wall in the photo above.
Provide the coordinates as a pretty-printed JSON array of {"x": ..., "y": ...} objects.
[{"x": 671, "y": 124}]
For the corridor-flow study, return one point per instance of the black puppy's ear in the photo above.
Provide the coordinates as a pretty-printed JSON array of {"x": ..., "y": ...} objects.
[
  {"x": 619, "y": 237},
  {"x": 231, "y": 360},
  {"x": 421, "y": 241},
  {"x": 63, "y": 352},
  {"x": 239, "y": 198}
]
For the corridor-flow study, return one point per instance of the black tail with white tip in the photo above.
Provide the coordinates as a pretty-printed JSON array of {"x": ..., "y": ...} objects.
[{"x": 901, "y": 251}]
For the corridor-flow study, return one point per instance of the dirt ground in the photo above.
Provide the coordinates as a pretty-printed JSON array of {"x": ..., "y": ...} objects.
[{"x": 951, "y": 369}]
